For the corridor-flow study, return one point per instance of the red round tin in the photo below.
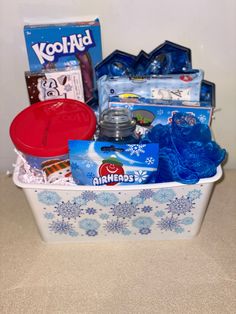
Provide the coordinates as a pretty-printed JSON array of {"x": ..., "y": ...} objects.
[{"x": 43, "y": 129}]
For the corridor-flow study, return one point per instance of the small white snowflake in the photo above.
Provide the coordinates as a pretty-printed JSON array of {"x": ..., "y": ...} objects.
[
  {"x": 150, "y": 160},
  {"x": 202, "y": 118},
  {"x": 140, "y": 176},
  {"x": 136, "y": 149}
]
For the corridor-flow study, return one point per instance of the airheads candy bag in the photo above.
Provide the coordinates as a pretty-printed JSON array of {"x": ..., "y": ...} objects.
[{"x": 105, "y": 163}]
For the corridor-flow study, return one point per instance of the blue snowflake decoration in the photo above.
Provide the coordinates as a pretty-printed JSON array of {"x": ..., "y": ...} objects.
[
  {"x": 187, "y": 221},
  {"x": 180, "y": 206},
  {"x": 48, "y": 197},
  {"x": 202, "y": 118},
  {"x": 160, "y": 112},
  {"x": 160, "y": 213},
  {"x": 143, "y": 222},
  {"x": 140, "y": 176},
  {"x": 115, "y": 226},
  {"x": 49, "y": 215},
  {"x": 135, "y": 149},
  {"x": 195, "y": 194},
  {"x": 147, "y": 209},
  {"x": 68, "y": 210},
  {"x": 164, "y": 195},
  {"x": 91, "y": 211},
  {"x": 89, "y": 164},
  {"x": 169, "y": 223},
  {"x": 89, "y": 224},
  {"x": 145, "y": 231},
  {"x": 61, "y": 227},
  {"x": 124, "y": 210},
  {"x": 126, "y": 232},
  {"x": 76, "y": 170},
  {"x": 79, "y": 200},
  {"x": 106, "y": 199},
  {"x": 136, "y": 200},
  {"x": 146, "y": 194},
  {"x": 149, "y": 160},
  {"x": 91, "y": 233},
  {"x": 88, "y": 196},
  {"x": 179, "y": 230},
  {"x": 90, "y": 175},
  {"x": 104, "y": 216},
  {"x": 73, "y": 233}
]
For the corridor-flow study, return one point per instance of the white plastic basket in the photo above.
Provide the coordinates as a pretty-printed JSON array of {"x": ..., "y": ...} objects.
[{"x": 85, "y": 213}]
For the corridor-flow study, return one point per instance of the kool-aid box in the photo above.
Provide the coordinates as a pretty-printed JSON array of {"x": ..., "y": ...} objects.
[{"x": 56, "y": 46}]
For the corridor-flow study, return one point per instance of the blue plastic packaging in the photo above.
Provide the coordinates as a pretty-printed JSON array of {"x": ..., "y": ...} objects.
[
  {"x": 167, "y": 58},
  {"x": 150, "y": 89},
  {"x": 104, "y": 163},
  {"x": 118, "y": 63}
]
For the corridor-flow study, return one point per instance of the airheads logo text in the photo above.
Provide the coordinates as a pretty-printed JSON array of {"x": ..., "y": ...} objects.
[
  {"x": 111, "y": 172},
  {"x": 47, "y": 52},
  {"x": 111, "y": 179}
]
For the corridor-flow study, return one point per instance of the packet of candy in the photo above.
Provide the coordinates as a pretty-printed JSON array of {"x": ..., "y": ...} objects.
[{"x": 105, "y": 163}]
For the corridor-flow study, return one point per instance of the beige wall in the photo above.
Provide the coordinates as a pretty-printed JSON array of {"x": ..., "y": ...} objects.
[{"x": 206, "y": 26}]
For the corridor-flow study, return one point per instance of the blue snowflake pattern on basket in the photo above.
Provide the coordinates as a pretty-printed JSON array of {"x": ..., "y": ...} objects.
[
  {"x": 48, "y": 197},
  {"x": 182, "y": 205},
  {"x": 94, "y": 213},
  {"x": 61, "y": 227},
  {"x": 124, "y": 210},
  {"x": 68, "y": 210},
  {"x": 115, "y": 226}
]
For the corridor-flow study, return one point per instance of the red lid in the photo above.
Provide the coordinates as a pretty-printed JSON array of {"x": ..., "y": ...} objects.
[{"x": 44, "y": 128}]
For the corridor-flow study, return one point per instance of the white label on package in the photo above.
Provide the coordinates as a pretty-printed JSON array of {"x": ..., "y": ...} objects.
[
  {"x": 61, "y": 84},
  {"x": 171, "y": 94}
]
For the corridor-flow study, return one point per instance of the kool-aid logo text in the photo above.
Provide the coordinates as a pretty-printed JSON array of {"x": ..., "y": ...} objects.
[{"x": 47, "y": 52}]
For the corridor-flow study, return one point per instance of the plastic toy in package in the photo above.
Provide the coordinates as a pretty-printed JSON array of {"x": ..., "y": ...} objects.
[
  {"x": 105, "y": 163},
  {"x": 151, "y": 89}
]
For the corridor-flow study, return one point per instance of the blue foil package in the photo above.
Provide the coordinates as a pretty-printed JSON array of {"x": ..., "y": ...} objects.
[{"x": 105, "y": 163}]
